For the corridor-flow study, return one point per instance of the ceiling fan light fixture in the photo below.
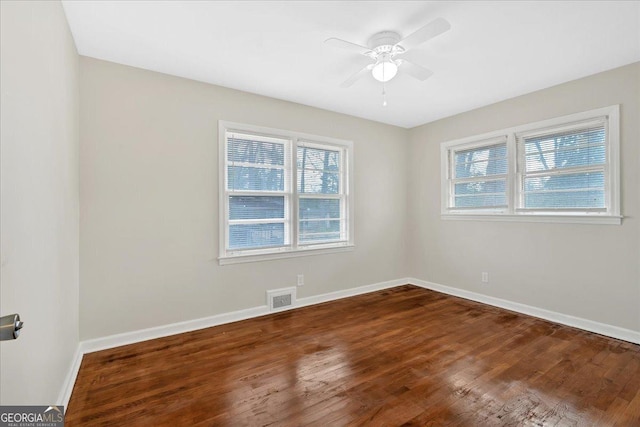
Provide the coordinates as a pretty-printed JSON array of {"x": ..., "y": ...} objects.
[
  {"x": 384, "y": 70},
  {"x": 385, "y": 47}
]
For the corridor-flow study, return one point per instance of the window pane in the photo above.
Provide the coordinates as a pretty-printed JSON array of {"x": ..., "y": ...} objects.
[
  {"x": 480, "y": 194},
  {"x": 566, "y": 158},
  {"x": 246, "y": 236},
  {"x": 481, "y": 153},
  {"x": 319, "y": 208},
  {"x": 256, "y": 207},
  {"x": 593, "y": 135},
  {"x": 321, "y": 237},
  {"x": 307, "y": 227},
  {"x": 582, "y": 147},
  {"x": 319, "y": 159},
  {"x": 571, "y": 149},
  {"x": 481, "y": 161},
  {"x": 481, "y": 201},
  {"x": 319, "y": 230},
  {"x": 576, "y": 190},
  {"x": 255, "y": 179},
  {"x": 243, "y": 149},
  {"x": 318, "y": 182},
  {"x": 565, "y": 182},
  {"x": 565, "y": 199},
  {"x": 480, "y": 187}
]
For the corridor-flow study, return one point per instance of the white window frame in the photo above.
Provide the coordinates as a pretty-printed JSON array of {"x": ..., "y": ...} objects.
[
  {"x": 452, "y": 181},
  {"x": 292, "y": 222},
  {"x": 514, "y": 187}
]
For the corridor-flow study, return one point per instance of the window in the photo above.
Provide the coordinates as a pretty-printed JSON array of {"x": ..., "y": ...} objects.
[
  {"x": 480, "y": 176},
  {"x": 563, "y": 170},
  {"x": 282, "y": 193}
]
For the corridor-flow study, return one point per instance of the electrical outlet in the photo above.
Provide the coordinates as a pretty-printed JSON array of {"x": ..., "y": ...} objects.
[
  {"x": 485, "y": 277},
  {"x": 300, "y": 279}
]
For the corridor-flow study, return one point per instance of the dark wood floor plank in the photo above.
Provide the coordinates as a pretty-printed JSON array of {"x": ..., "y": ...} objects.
[{"x": 403, "y": 356}]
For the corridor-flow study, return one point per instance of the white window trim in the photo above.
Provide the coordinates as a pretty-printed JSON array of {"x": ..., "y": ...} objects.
[
  {"x": 612, "y": 172},
  {"x": 293, "y": 250}
]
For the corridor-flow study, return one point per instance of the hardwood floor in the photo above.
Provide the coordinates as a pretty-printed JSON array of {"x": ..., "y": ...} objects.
[{"x": 404, "y": 356}]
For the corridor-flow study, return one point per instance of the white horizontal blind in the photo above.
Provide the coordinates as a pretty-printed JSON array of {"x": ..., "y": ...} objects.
[
  {"x": 479, "y": 176},
  {"x": 282, "y": 192},
  {"x": 322, "y": 216},
  {"x": 564, "y": 168},
  {"x": 257, "y": 191}
]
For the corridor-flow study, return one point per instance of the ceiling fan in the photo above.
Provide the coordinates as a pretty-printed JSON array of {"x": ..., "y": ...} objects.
[{"x": 384, "y": 49}]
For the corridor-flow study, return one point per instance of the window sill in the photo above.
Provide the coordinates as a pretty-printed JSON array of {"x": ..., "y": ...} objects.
[
  {"x": 548, "y": 218},
  {"x": 237, "y": 259}
]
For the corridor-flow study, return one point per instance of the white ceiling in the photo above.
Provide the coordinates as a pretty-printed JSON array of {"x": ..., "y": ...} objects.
[{"x": 494, "y": 50}]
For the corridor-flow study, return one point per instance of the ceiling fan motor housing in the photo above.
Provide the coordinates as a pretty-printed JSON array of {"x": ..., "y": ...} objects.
[{"x": 384, "y": 42}]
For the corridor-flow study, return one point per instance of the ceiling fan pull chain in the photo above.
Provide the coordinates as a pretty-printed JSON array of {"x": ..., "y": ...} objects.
[{"x": 384, "y": 96}]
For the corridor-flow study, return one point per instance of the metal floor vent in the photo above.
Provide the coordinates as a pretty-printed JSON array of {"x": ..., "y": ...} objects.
[{"x": 280, "y": 299}]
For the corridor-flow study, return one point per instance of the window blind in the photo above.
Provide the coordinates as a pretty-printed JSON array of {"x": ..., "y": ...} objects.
[
  {"x": 564, "y": 169},
  {"x": 321, "y": 195},
  {"x": 282, "y": 193},
  {"x": 480, "y": 176},
  {"x": 257, "y": 176}
]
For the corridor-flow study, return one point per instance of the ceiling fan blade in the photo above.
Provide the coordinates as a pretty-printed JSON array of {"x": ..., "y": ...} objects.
[
  {"x": 429, "y": 31},
  {"x": 415, "y": 70},
  {"x": 357, "y": 76},
  {"x": 343, "y": 44}
]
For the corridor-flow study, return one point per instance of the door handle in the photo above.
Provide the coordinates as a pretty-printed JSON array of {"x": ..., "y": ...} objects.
[{"x": 10, "y": 326}]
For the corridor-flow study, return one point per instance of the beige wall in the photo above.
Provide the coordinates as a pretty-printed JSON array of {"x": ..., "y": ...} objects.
[
  {"x": 149, "y": 201},
  {"x": 589, "y": 271},
  {"x": 39, "y": 199},
  {"x": 149, "y": 213}
]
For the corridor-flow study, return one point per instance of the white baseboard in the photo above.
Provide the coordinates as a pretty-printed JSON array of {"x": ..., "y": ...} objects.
[
  {"x": 118, "y": 340},
  {"x": 133, "y": 337},
  {"x": 564, "y": 319},
  {"x": 331, "y": 296},
  {"x": 70, "y": 379}
]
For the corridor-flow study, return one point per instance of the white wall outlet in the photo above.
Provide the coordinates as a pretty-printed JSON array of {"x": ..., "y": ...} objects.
[
  {"x": 485, "y": 277},
  {"x": 300, "y": 279}
]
